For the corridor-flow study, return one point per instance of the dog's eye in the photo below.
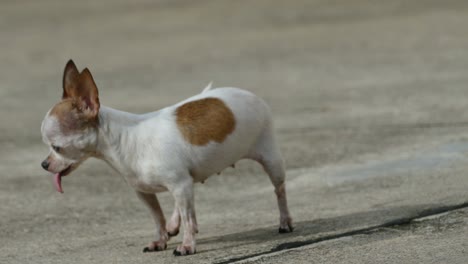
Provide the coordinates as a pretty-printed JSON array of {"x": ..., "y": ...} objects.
[{"x": 55, "y": 148}]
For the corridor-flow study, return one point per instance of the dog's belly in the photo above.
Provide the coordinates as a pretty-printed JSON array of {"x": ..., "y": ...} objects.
[
  {"x": 201, "y": 173},
  {"x": 213, "y": 159}
]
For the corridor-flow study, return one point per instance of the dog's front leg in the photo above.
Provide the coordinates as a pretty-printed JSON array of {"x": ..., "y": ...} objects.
[
  {"x": 152, "y": 203},
  {"x": 183, "y": 195}
]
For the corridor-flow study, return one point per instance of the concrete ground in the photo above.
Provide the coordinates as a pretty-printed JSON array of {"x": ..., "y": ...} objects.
[{"x": 370, "y": 104}]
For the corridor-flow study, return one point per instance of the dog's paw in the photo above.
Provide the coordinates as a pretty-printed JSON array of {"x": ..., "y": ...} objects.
[
  {"x": 155, "y": 246},
  {"x": 183, "y": 250},
  {"x": 286, "y": 226},
  {"x": 289, "y": 229}
]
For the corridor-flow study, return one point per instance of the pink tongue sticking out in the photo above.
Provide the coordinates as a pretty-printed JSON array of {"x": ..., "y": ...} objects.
[{"x": 58, "y": 182}]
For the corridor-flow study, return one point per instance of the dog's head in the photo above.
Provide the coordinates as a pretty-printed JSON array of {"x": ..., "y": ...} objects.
[{"x": 70, "y": 127}]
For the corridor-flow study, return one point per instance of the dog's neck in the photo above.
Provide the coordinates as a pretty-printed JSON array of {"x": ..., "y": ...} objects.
[{"x": 115, "y": 138}]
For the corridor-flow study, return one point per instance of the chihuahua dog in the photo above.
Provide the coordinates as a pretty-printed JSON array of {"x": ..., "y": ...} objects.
[{"x": 167, "y": 150}]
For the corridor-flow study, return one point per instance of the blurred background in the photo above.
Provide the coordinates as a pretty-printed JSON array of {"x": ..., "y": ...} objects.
[{"x": 369, "y": 99}]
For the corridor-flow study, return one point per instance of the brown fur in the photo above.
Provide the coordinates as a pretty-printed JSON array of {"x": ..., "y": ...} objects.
[
  {"x": 70, "y": 81},
  {"x": 205, "y": 120},
  {"x": 71, "y": 117}
]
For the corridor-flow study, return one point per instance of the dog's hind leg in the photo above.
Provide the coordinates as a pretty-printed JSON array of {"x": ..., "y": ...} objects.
[
  {"x": 268, "y": 155},
  {"x": 183, "y": 195}
]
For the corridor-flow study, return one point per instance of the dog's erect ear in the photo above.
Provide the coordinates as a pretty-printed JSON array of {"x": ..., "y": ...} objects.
[
  {"x": 88, "y": 93},
  {"x": 70, "y": 80}
]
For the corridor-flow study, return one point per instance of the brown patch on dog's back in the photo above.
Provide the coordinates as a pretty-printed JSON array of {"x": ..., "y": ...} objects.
[
  {"x": 205, "y": 120},
  {"x": 70, "y": 117}
]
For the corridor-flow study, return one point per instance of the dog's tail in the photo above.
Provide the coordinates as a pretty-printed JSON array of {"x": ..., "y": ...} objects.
[{"x": 207, "y": 88}]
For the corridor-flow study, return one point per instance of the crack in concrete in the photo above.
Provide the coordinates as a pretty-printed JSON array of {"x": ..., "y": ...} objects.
[{"x": 391, "y": 223}]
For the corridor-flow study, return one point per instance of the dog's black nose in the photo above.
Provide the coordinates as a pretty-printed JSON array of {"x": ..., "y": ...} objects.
[{"x": 45, "y": 164}]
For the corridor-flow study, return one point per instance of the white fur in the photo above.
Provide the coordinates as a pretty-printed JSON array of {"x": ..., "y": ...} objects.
[{"x": 153, "y": 156}]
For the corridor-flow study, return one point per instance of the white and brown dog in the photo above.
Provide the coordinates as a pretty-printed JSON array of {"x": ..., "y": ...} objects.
[{"x": 167, "y": 150}]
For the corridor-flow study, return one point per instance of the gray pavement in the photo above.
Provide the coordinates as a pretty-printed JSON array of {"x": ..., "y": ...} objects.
[
  {"x": 369, "y": 101},
  {"x": 436, "y": 239}
]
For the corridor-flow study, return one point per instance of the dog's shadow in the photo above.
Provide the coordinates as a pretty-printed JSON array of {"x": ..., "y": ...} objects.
[{"x": 308, "y": 232}]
